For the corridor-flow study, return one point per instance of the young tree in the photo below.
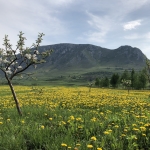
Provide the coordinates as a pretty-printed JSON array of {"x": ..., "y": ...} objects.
[
  {"x": 97, "y": 82},
  {"x": 140, "y": 80},
  {"x": 143, "y": 78},
  {"x": 15, "y": 62},
  {"x": 127, "y": 84},
  {"x": 136, "y": 83},
  {"x": 132, "y": 78},
  {"x": 114, "y": 80},
  {"x": 125, "y": 75},
  {"x": 104, "y": 82},
  {"x": 148, "y": 69}
]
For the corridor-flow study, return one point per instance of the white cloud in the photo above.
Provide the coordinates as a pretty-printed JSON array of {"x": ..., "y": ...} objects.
[
  {"x": 135, "y": 36},
  {"x": 132, "y": 36},
  {"x": 60, "y": 2},
  {"x": 132, "y": 24},
  {"x": 145, "y": 49},
  {"x": 30, "y": 17},
  {"x": 130, "y": 5},
  {"x": 96, "y": 37},
  {"x": 99, "y": 27},
  {"x": 77, "y": 21},
  {"x": 147, "y": 36}
]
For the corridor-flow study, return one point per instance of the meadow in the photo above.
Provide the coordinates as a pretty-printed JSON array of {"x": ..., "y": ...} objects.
[{"x": 74, "y": 118}]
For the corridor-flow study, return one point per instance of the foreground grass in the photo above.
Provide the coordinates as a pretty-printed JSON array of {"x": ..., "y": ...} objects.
[{"x": 62, "y": 118}]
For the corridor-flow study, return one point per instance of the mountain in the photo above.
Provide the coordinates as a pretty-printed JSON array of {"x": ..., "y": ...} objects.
[
  {"x": 72, "y": 64},
  {"x": 84, "y": 56}
]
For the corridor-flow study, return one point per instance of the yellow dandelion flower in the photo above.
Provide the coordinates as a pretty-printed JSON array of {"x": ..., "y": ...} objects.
[
  {"x": 146, "y": 125},
  {"x": 101, "y": 113},
  {"x": 135, "y": 138},
  {"x": 99, "y": 148},
  {"x": 143, "y": 128},
  {"x": 116, "y": 126},
  {"x": 63, "y": 122},
  {"x": 80, "y": 127},
  {"x": 78, "y": 119},
  {"x": 50, "y": 118},
  {"x": 89, "y": 146},
  {"x": 8, "y": 119},
  {"x": 78, "y": 144},
  {"x": 69, "y": 147},
  {"x": 42, "y": 127},
  {"x": 134, "y": 125},
  {"x": 125, "y": 130},
  {"x": 135, "y": 129},
  {"x": 22, "y": 121},
  {"x": 72, "y": 118},
  {"x": 93, "y": 138},
  {"x": 141, "y": 122},
  {"x": 64, "y": 145},
  {"x": 143, "y": 134},
  {"x": 137, "y": 116},
  {"x": 123, "y": 135},
  {"x": 106, "y": 132}
]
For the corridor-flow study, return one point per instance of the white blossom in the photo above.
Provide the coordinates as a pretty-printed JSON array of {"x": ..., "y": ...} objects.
[
  {"x": 35, "y": 66},
  {"x": 34, "y": 57},
  {"x": 8, "y": 72},
  {"x": 21, "y": 77},
  {"x": 5, "y": 61},
  {"x": 28, "y": 56},
  {"x": 19, "y": 67},
  {"x": 36, "y": 52}
]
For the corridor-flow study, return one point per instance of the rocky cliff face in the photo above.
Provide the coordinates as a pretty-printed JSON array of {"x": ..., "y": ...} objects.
[{"x": 86, "y": 56}]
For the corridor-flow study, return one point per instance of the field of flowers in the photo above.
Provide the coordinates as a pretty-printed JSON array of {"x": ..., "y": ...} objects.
[{"x": 75, "y": 118}]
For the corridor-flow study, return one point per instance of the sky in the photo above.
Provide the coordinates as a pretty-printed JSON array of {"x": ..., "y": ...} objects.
[{"x": 106, "y": 23}]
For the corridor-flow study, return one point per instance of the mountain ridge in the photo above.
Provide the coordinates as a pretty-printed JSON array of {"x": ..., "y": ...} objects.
[
  {"x": 67, "y": 55},
  {"x": 71, "y": 64}
]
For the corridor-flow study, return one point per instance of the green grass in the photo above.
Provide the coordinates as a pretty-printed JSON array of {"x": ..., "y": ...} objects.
[
  {"x": 27, "y": 133},
  {"x": 75, "y": 122}
]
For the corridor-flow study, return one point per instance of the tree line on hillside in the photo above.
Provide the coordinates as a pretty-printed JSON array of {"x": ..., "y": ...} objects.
[{"x": 134, "y": 80}]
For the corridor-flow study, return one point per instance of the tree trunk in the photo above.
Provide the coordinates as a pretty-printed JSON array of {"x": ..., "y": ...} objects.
[{"x": 15, "y": 97}]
